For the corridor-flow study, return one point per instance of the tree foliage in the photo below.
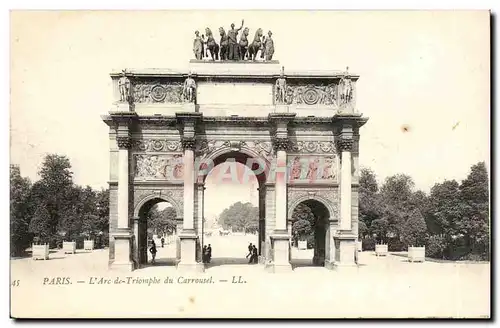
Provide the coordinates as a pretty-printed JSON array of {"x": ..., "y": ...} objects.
[
  {"x": 243, "y": 217},
  {"x": 54, "y": 209},
  {"x": 164, "y": 221},
  {"x": 414, "y": 229},
  {"x": 453, "y": 220},
  {"x": 20, "y": 187}
]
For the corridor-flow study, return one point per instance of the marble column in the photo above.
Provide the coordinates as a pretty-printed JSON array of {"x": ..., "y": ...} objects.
[
  {"x": 345, "y": 184},
  {"x": 344, "y": 238},
  {"x": 188, "y": 236},
  {"x": 122, "y": 234},
  {"x": 200, "y": 224},
  {"x": 188, "y": 160},
  {"x": 280, "y": 237}
]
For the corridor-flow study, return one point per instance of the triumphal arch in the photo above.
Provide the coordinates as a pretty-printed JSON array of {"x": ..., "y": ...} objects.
[{"x": 298, "y": 131}]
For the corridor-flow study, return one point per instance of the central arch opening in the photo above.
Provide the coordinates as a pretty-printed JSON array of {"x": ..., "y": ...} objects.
[
  {"x": 310, "y": 222},
  {"x": 234, "y": 210}
]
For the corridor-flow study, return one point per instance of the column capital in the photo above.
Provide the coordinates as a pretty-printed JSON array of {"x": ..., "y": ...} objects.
[
  {"x": 188, "y": 143},
  {"x": 345, "y": 144},
  {"x": 281, "y": 144},
  {"x": 124, "y": 142}
]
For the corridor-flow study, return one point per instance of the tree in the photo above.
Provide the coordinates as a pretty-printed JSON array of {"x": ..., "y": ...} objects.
[
  {"x": 163, "y": 221},
  {"x": 19, "y": 212},
  {"x": 396, "y": 197},
  {"x": 52, "y": 196},
  {"x": 380, "y": 227},
  {"x": 303, "y": 221},
  {"x": 240, "y": 216},
  {"x": 445, "y": 209},
  {"x": 369, "y": 198},
  {"x": 414, "y": 229},
  {"x": 474, "y": 193},
  {"x": 362, "y": 229}
]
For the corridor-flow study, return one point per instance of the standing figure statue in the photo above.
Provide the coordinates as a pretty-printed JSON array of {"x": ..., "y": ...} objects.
[
  {"x": 346, "y": 88},
  {"x": 198, "y": 46},
  {"x": 189, "y": 89},
  {"x": 124, "y": 87},
  {"x": 212, "y": 46},
  {"x": 269, "y": 47},
  {"x": 243, "y": 45},
  {"x": 281, "y": 88},
  {"x": 256, "y": 45},
  {"x": 232, "y": 35},
  {"x": 224, "y": 44}
]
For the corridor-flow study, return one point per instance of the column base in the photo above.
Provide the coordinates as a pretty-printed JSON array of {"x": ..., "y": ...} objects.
[
  {"x": 123, "y": 251},
  {"x": 188, "y": 243},
  {"x": 122, "y": 266},
  {"x": 345, "y": 249},
  {"x": 281, "y": 253}
]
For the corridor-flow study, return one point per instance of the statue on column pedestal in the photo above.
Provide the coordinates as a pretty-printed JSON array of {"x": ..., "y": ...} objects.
[
  {"x": 189, "y": 89},
  {"x": 281, "y": 88},
  {"x": 124, "y": 87},
  {"x": 346, "y": 88}
]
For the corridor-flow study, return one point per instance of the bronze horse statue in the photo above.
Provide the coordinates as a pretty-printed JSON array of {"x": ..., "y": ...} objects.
[
  {"x": 243, "y": 44},
  {"x": 212, "y": 46},
  {"x": 256, "y": 45},
  {"x": 224, "y": 44}
]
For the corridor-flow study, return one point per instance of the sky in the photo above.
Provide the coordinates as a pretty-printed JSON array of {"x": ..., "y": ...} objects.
[{"x": 425, "y": 71}]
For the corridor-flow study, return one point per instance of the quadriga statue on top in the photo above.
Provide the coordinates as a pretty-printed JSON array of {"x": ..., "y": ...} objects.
[{"x": 230, "y": 48}]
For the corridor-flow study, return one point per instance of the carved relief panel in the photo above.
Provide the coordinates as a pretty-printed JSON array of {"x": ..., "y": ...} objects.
[
  {"x": 156, "y": 145},
  {"x": 312, "y": 94},
  {"x": 157, "y": 92},
  {"x": 158, "y": 166},
  {"x": 312, "y": 168}
]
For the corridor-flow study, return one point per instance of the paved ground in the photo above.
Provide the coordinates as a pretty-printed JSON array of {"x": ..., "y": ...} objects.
[{"x": 379, "y": 287}]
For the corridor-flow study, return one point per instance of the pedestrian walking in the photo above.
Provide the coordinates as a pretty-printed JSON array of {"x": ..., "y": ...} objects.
[
  {"x": 249, "y": 250},
  {"x": 153, "y": 251}
]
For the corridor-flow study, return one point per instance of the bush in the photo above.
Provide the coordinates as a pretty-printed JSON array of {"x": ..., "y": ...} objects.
[
  {"x": 368, "y": 244},
  {"x": 395, "y": 245},
  {"x": 435, "y": 247}
]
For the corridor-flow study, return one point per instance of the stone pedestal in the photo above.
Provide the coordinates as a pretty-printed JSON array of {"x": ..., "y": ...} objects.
[
  {"x": 345, "y": 251},
  {"x": 189, "y": 241},
  {"x": 189, "y": 107},
  {"x": 281, "y": 248},
  {"x": 281, "y": 108},
  {"x": 122, "y": 261},
  {"x": 121, "y": 107}
]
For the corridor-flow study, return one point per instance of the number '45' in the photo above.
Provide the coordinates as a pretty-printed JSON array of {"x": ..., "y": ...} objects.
[{"x": 15, "y": 283}]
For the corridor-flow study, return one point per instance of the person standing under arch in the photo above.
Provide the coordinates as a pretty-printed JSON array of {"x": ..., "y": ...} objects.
[{"x": 153, "y": 251}]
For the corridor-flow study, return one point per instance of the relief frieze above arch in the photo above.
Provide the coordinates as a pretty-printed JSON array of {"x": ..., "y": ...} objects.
[
  {"x": 318, "y": 147},
  {"x": 156, "y": 145}
]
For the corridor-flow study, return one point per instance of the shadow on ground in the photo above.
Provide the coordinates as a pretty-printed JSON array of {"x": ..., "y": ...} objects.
[{"x": 218, "y": 261}]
